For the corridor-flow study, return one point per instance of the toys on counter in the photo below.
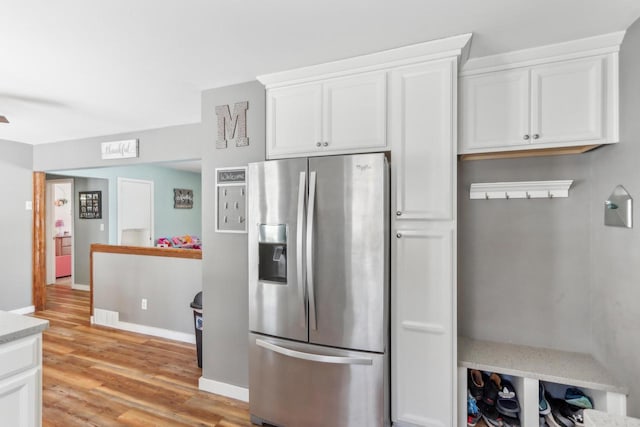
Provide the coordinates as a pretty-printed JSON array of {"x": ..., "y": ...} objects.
[{"x": 182, "y": 242}]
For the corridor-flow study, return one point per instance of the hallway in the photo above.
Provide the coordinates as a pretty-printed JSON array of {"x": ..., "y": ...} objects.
[{"x": 96, "y": 376}]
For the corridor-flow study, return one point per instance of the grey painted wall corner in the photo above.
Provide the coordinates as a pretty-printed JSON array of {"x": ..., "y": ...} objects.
[
  {"x": 224, "y": 256},
  {"x": 615, "y": 255},
  {"x": 16, "y": 165}
]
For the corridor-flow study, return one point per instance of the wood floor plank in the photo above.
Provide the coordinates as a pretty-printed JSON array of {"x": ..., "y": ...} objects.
[{"x": 98, "y": 376}]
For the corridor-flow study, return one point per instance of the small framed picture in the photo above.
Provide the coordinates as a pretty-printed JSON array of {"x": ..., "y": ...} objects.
[
  {"x": 90, "y": 204},
  {"x": 182, "y": 198}
]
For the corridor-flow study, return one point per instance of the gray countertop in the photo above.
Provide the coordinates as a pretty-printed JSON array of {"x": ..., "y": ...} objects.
[
  {"x": 15, "y": 326},
  {"x": 562, "y": 367}
]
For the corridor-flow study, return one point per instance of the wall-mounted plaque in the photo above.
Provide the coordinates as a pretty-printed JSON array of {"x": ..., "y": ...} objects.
[
  {"x": 182, "y": 198},
  {"x": 119, "y": 149},
  {"x": 90, "y": 204},
  {"x": 231, "y": 200}
]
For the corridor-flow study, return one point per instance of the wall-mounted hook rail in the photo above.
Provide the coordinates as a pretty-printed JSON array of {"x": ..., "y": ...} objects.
[{"x": 520, "y": 190}]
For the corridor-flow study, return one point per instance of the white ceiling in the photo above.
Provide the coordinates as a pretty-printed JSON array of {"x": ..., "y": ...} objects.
[{"x": 75, "y": 68}]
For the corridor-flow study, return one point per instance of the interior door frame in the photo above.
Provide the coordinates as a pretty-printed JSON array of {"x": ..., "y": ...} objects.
[
  {"x": 50, "y": 227},
  {"x": 38, "y": 246}
]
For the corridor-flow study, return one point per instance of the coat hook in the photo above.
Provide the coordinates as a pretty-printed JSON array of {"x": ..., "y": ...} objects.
[
  {"x": 486, "y": 195},
  {"x": 550, "y": 195},
  {"x": 506, "y": 195},
  {"x": 528, "y": 195}
]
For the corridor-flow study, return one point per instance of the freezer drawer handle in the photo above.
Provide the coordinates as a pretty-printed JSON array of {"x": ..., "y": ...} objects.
[{"x": 315, "y": 357}]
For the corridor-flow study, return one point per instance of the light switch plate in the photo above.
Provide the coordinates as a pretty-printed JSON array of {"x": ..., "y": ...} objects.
[{"x": 28, "y": 205}]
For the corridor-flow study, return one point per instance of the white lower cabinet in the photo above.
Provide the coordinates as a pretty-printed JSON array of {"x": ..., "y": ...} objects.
[
  {"x": 19, "y": 399},
  {"x": 423, "y": 368},
  {"x": 21, "y": 382}
]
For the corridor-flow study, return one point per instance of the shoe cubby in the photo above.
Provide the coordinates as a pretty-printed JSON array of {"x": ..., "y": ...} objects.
[{"x": 526, "y": 367}]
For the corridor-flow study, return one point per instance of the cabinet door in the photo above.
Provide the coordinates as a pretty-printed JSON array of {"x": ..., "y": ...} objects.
[
  {"x": 294, "y": 120},
  {"x": 494, "y": 110},
  {"x": 20, "y": 399},
  {"x": 421, "y": 128},
  {"x": 567, "y": 102},
  {"x": 422, "y": 340},
  {"x": 355, "y": 113}
]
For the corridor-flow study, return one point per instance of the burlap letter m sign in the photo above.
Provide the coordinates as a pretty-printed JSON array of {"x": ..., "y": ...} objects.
[{"x": 232, "y": 127}]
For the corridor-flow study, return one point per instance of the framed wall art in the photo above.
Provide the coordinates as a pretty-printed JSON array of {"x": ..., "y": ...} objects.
[
  {"x": 90, "y": 204},
  {"x": 182, "y": 198}
]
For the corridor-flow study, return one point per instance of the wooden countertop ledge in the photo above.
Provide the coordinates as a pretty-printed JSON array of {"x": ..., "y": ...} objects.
[{"x": 148, "y": 251}]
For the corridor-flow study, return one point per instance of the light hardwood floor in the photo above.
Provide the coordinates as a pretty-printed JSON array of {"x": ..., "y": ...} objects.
[{"x": 96, "y": 376}]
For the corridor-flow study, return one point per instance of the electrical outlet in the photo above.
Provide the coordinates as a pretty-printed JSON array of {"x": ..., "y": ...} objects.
[{"x": 143, "y": 304}]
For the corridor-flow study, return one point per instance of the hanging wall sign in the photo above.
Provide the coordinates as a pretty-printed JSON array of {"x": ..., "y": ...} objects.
[
  {"x": 232, "y": 126},
  {"x": 119, "y": 149}
]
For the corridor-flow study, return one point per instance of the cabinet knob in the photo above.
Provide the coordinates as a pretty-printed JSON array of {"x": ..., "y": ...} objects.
[
  {"x": 525, "y": 137},
  {"x": 399, "y": 235},
  {"x": 318, "y": 144},
  {"x": 398, "y": 213},
  {"x": 536, "y": 136},
  {"x": 326, "y": 144}
]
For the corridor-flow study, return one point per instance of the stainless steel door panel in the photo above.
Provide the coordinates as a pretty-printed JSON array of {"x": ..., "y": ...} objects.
[
  {"x": 349, "y": 251},
  {"x": 296, "y": 384},
  {"x": 277, "y": 196}
]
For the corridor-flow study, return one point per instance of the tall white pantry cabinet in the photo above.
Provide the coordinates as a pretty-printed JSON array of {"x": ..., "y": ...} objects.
[{"x": 422, "y": 130}]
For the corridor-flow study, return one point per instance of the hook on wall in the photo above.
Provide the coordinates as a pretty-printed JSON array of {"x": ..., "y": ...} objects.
[{"x": 618, "y": 208}]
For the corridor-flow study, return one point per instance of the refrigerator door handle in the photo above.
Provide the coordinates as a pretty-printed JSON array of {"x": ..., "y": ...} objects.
[
  {"x": 302, "y": 190},
  {"x": 310, "y": 221},
  {"x": 321, "y": 358}
]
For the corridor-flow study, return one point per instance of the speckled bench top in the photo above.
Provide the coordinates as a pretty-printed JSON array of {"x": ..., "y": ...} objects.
[
  {"x": 562, "y": 367},
  {"x": 15, "y": 326},
  {"x": 602, "y": 419}
]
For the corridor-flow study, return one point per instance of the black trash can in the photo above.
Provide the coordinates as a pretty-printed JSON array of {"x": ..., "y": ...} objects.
[{"x": 197, "y": 322}]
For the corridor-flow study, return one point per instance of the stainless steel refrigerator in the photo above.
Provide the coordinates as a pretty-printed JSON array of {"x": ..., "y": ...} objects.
[{"x": 318, "y": 291}]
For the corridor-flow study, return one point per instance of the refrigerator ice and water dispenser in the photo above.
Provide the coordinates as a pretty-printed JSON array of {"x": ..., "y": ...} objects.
[{"x": 272, "y": 253}]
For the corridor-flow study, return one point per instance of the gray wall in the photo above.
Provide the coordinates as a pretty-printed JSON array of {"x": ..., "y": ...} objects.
[
  {"x": 156, "y": 145},
  {"x": 15, "y": 227},
  {"x": 87, "y": 231},
  {"x": 615, "y": 257},
  {"x": 524, "y": 264},
  {"x": 168, "y": 284},
  {"x": 225, "y": 295}
]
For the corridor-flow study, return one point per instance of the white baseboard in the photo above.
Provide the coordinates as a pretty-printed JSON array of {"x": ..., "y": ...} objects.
[
  {"x": 112, "y": 319},
  {"x": 24, "y": 310},
  {"x": 224, "y": 389},
  {"x": 80, "y": 287}
]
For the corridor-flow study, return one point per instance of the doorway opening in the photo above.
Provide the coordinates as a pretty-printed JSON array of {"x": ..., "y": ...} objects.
[{"x": 59, "y": 232}]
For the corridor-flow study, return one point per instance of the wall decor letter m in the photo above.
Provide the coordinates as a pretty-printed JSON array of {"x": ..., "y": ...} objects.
[{"x": 232, "y": 127}]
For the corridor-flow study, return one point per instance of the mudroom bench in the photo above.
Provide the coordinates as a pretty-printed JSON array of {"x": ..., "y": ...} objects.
[{"x": 527, "y": 366}]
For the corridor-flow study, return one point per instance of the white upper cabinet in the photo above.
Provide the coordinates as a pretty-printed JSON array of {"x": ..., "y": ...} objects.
[
  {"x": 336, "y": 116},
  {"x": 421, "y": 126},
  {"x": 294, "y": 119},
  {"x": 494, "y": 110},
  {"x": 558, "y": 96},
  {"x": 567, "y": 102}
]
